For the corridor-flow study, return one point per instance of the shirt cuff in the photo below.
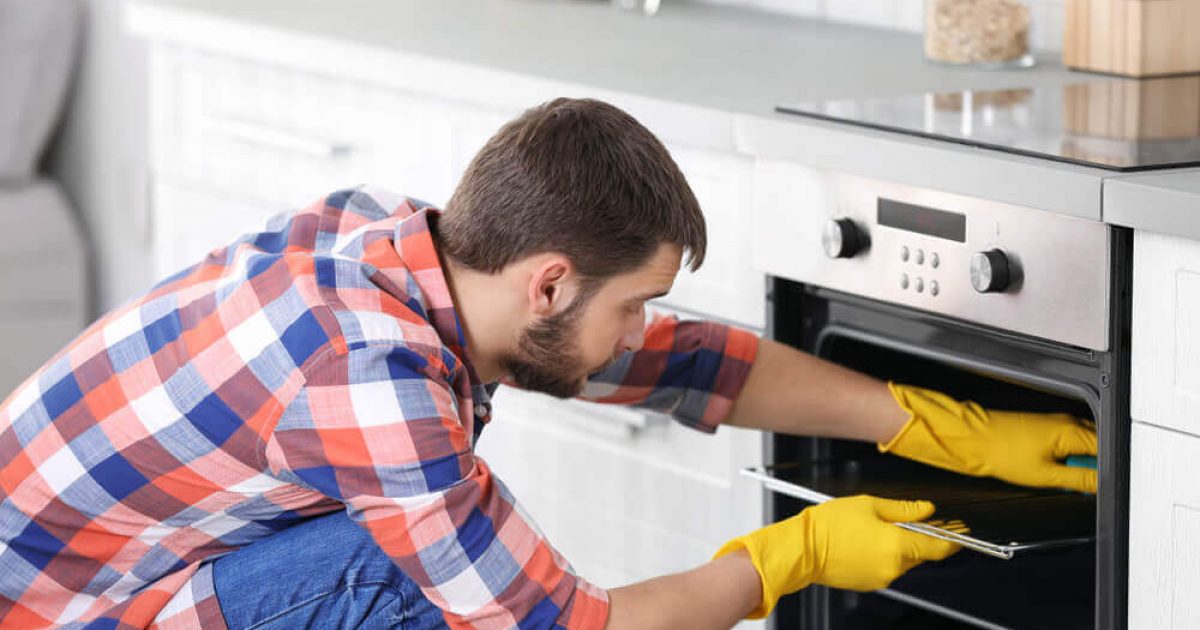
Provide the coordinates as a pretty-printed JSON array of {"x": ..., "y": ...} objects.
[{"x": 588, "y": 609}]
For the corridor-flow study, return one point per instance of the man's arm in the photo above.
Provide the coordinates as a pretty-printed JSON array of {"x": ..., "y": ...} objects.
[
  {"x": 792, "y": 392},
  {"x": 789, "y": 391},
  {"x": 847, "y": 543},
  {"x": 707, "y": 374},
  {"x": 691, "y": 599}
]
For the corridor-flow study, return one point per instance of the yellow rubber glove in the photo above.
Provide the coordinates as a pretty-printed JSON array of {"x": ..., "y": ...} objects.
[
  {"x": 1021, "y": 448},
  {"x": 849, "y": 543}
]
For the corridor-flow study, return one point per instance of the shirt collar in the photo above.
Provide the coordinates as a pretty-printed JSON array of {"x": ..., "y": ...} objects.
[{"x": 416, "y": 246}]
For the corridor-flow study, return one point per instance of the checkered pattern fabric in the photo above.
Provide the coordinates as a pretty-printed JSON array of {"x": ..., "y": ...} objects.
[{"x": 317, "y": 365}]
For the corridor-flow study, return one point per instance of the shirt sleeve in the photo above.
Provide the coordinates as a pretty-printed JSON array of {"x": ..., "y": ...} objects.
[
  {"x": 379, "y": 429},
  {"x": 692, "y": 370}
]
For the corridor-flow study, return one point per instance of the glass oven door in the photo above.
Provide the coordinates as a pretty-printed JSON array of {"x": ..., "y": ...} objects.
[{"x": 1061, "y": 547}]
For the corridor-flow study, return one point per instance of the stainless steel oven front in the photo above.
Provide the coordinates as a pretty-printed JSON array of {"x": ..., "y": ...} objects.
[{"x": 1008, "y": 306}]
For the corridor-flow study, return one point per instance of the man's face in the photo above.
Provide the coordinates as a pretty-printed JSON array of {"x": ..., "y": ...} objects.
[{"x": 556, "y": 354}]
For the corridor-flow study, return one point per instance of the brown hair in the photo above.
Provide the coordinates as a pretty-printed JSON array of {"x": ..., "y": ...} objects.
[{"x": 578, "y": 177}]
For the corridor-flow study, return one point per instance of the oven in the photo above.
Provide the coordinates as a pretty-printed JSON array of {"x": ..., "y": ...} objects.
[{"x": 1011, "y": 307}]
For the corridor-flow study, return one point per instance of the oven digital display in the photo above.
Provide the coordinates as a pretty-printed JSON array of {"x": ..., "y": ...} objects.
[{"x": 922, "y": 220}]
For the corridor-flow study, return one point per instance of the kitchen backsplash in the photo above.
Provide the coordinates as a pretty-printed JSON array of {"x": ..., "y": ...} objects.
[{"x": 908, "y": 15}]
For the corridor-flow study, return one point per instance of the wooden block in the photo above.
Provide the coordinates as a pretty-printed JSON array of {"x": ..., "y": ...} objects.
[
  {"x": 1137, "y": 38},
  {"x": 1169, "y": 44}
]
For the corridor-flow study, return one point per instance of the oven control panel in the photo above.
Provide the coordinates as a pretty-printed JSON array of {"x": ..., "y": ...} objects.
[{"x": 1011, "y": 267}]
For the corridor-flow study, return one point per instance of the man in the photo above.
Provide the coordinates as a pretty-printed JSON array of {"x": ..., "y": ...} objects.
[{"x": 282, "y": 435}]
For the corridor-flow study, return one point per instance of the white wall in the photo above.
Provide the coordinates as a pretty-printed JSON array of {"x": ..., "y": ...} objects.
[
  {"x": 1047, "y": 15},
  {"x": 100, "y": 154}
]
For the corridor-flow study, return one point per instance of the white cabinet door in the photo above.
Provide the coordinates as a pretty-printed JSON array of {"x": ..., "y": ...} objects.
[
  {"x": 1164, "y": 530},
  {"x": 727, "y": 286},
  {"x": 1166, "y": 332}
]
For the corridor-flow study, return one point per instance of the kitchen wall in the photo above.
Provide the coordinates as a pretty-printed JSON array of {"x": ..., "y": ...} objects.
[{"x": 1047, "y": 15}]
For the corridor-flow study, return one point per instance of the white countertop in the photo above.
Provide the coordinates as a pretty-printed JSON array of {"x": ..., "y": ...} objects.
[{"x": 721, "y": 58}]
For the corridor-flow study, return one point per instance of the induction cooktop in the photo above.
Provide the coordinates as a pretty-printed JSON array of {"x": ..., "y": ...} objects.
[{"x": 1111, "y": 123}]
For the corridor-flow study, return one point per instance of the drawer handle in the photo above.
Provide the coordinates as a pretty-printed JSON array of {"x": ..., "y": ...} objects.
[
  {"x": 626, "y": 421},
  {"x": 279, "y": 139}
]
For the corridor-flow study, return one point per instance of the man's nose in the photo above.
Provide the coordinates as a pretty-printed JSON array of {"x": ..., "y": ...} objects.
[{"x": 633, "y": 339}]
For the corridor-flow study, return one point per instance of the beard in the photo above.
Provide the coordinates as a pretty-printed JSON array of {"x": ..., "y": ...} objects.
[{"x": 546, "y": 359}]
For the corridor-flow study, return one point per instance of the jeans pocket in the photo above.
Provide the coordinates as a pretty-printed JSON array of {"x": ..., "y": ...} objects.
[{"x": 365, "y": 605}]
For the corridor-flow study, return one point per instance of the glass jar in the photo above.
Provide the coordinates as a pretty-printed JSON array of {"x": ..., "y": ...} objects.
[
  {"x": 649, "y": 7},
  {"x": 979, "y": 33}
]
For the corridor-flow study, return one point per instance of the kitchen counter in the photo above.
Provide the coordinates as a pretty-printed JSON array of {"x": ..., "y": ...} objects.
[
  {"x": 705, "y": 76},
  {"x": 713, "y": 57},
  {"x": 1166, "y": 202}
]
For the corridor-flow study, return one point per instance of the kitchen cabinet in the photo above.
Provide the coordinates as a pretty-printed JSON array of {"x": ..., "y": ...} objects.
[
  {"x": 624, "y": 494},
  {"x": 234, "y": 141},
  {"x": 1164, "y": 529},
  {"x": 255, "y": 138},
  {"x": 1166, "y": 332},
  {"x": 1164, "y": 523}
]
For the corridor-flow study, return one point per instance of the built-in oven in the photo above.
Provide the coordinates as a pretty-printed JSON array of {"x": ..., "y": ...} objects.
[{"x": 1007, "y": 306}]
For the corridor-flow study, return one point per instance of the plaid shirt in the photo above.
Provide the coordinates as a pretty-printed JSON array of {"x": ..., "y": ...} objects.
[{"x": 315, "y": 366}]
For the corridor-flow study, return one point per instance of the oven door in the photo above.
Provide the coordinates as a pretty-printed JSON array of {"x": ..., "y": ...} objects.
[{"x": 1066, "y": 566}]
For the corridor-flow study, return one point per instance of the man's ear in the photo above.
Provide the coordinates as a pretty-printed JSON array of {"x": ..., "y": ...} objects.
[{"x": 553, "y": 285}]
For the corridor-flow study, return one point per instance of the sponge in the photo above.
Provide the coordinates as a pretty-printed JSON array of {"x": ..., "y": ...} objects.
[{"x": 1082, "y": 461}]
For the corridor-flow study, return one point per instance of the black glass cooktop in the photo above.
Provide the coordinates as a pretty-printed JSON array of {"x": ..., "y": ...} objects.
[{"x": 1117, "y": 124}]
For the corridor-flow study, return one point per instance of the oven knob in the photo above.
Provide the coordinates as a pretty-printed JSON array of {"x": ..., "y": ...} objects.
[
  {"x": 842, "y": 238},
  {"x": 990, "y": 271}
]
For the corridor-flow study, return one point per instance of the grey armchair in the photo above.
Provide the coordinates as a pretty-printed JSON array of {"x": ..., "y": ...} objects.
[{"x": 44, "y": 297}]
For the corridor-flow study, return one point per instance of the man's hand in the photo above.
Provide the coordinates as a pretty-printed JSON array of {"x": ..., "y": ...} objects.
[
  {"x": 1021, "y": 448},
  {"x": 848, "y": 543}
]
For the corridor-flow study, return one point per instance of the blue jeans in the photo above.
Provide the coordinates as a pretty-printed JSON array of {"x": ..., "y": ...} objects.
[{"x": 323, "y": 573}]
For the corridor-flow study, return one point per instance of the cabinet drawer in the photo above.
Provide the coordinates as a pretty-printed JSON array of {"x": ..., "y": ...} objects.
[
  {"x": 288, "y": 135},
  {"x": 1164, "y": 529},
  {"x": 1166, "y": 332}
]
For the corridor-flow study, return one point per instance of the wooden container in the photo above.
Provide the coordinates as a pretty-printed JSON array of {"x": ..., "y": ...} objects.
[{"x": 1135, "y": 38}]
